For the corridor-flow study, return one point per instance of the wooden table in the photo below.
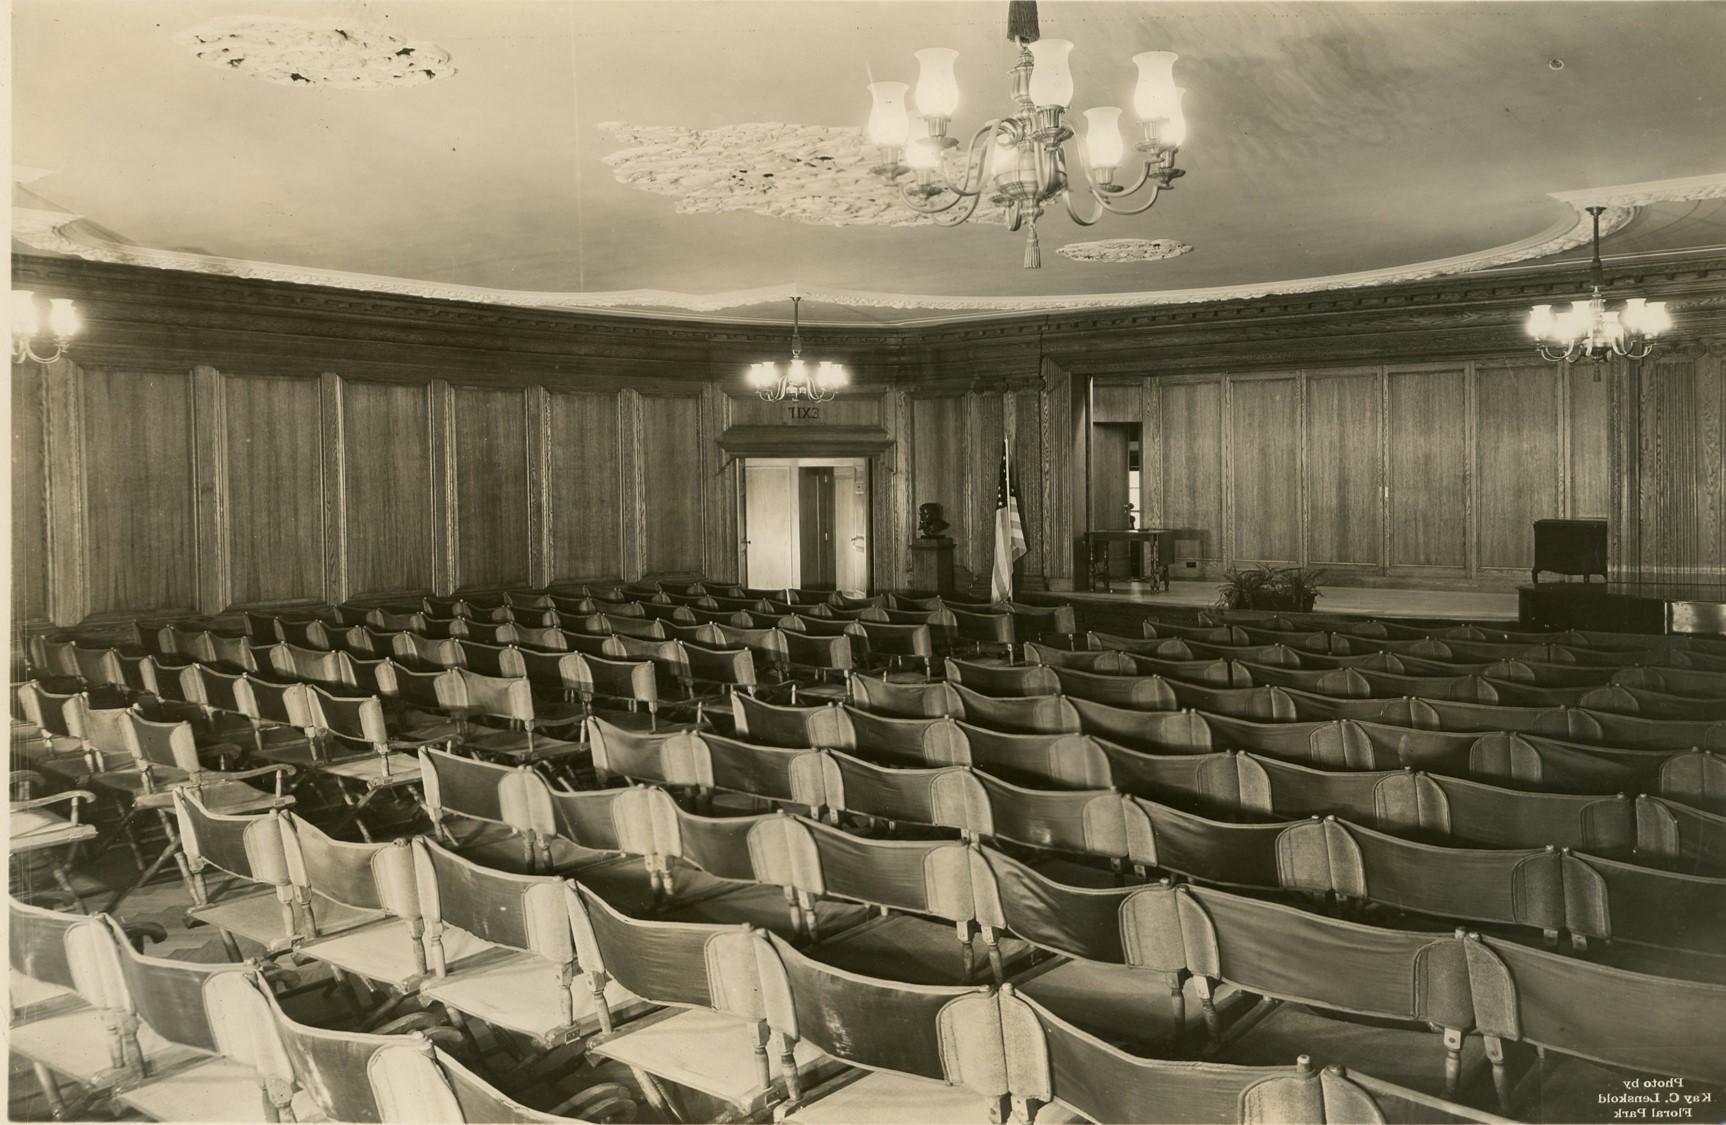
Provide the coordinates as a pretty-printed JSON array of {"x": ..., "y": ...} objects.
[{"x": 1161, "y": 541}]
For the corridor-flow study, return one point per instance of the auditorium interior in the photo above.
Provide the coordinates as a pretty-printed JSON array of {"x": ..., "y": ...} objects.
[{"x": 867, "y": 561}]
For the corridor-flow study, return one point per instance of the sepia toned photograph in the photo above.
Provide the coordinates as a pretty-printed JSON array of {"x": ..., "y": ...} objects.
[{"x": 867, "y": 562}]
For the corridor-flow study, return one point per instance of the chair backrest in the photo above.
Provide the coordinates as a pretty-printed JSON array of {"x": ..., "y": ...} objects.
[
  {"x": 1038, "y": 621},
  {"x": 1085, "y": 661},
  {"x": 55, "y": 712},
  {"x": 768, "y": 724},
  {"x": 773, "y": 773},
  {"x": 261, "y": 627},
  {"x": 445, "y": 652},
  {"x": 1088, "y": 821},
  {"x": 673, "y": 758},
  {"x": 522, "y": 912},
  {"x": 355, "y": 719},
  {"x": 512, "y": 796},
  {"x": 635, "y": 627},
  {"x": 303, "y": 633},
  {"x": 491, "y": 632},
  {"x": 806, "y": 651},
  {"x": 927, "y": 741},
  {"x": 428, "y": 689},
  {"x": 1050, "y": 761},
  {"x": 689, "y": 964},
  {"x": 949, "y": 796},
  {"x": 946, "y": 1033},
  {"x": 364, "y": 876},
  {"x": 999, "y": 680},
  {"x": 490, "y": 659},
  {"x": 499, "y": 697},
  {"x": 549, "y": 637},
  {"x": 921, "y": 876},
  {"x": 871, "y": 693},
  {"x": 289, "y": 704},
  {"x": 622, "y": 679},
  {"x": 1037, "y": 714},
  {"x": 733, "y": 667},
  {"x": 169, "y": 744},
  {"x": 247, "y": 847},
  {"x": 358, "y": 1076},
  {"x": 1141, "y": 693},
  {"x": 68, "y": 951},
  {"x": 99, "y": 666},
  {"x": 984, "y": 628}
]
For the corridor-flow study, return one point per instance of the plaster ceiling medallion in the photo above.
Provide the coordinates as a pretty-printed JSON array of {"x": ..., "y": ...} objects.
[
  {"x": 816, "y": 174},
  {"x": 327, "y": 52},
  {"x": 1121, "y": 250}
]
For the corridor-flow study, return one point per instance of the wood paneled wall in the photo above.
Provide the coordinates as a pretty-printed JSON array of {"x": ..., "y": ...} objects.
[{"x": 221, "y": 443}]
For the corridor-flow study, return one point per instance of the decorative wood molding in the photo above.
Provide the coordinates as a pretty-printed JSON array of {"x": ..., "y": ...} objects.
[
  {"x": 332, "y": 409},
  {"x": 446, "y": 540},
  {"x": 209, "y": 440},
  {"x": 632, "y": 529},
  {"x": 540, "y": 564},
  {"x": 63, "y": 476}
]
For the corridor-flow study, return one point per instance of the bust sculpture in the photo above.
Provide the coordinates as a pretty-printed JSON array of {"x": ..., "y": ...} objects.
[{"x": 930, "y": 525}]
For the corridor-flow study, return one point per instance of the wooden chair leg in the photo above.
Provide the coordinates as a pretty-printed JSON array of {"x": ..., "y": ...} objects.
[{"x": 50, "y": 1091}]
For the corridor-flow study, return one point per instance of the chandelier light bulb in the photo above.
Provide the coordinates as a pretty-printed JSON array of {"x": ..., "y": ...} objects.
[
  {"x": 1540, "y": 322},
  {"x": 1103, "y": 147},
  {"x": 1156, "y": 88},
  {"x": 62, "y": 318},
  {"x": 937, "y": 93},
  {"x": 830, "y": 375},
  {"x": 796, "y": 373},
  {"x": 888, "y": 125},
  {"x": 24, "y": 322},
  {"x": 1052, "y": 78},
  {"x": 1656, "y": 319}
]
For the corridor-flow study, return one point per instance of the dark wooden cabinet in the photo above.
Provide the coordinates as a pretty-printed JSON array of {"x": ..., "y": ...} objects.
[{"x": 1570, "y": 547}]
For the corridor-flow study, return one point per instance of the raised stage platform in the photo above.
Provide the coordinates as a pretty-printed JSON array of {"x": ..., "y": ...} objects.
[
  {"x": 1370, "y": 601},
  {"x": 1630, "y": 607}
]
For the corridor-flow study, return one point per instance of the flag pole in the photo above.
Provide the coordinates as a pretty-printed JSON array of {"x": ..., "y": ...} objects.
[{"x": 1007, "y": 460}]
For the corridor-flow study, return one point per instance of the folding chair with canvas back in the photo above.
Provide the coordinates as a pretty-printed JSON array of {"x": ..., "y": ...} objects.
[
  {"x": 984, "y": 632},
  {"x": 933, "y": 1052},
  {"x": 674, "y": 759},
  {"x": 924, "y": 885},
  {"x": 488, "y": 811},
  {"x": 1032, "y": 714},
  {"x": 421, "y": 708},
  {"x": 822, "y": 657},
  {"x": 307, "y": 633},
  {"x": 524, "y": 978},
  {"x": 713, "y": 1036},
  {"x": 67, "y": 1003},
  {"x": 769, "y": 724},
  {"x": 632, "y": 682},
  {"x": 718, "y": 673},
  {"x": 35, "y": 832},
  {"x": 521, "y": 741},
  {"x": 1087, "y": 660},
  {"x": 365, "y": 760},
  {"x": 902, "y": 741},
  {"x": 100, "y": 668},
  {"x": 670, "y": 663},
  {"x": 65, "y": 750},
  {"x": 250, "y": 850},
  {"x": 1002, "y": 680},
  {"x": 424, "y": 654},
  {"x": 489, "y": 659},
  {"x": 165, "y": 759},
  {"x": 1041, "y": 623},
  {"x": 879, "y": 696},
  {"x": 892, "y": 644},
  {"x": 1044, "y": 761},
  {"x": 219, "y": 1053}
]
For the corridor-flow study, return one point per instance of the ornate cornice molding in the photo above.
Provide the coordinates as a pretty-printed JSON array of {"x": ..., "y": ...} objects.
[{"x": 65, "y": 233}]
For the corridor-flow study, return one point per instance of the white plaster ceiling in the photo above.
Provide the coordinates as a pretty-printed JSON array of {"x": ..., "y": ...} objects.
[{"x": 1329, "y": 144}]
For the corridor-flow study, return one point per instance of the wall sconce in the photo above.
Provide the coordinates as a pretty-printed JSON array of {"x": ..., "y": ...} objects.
[{"x": 27, "y": 323}]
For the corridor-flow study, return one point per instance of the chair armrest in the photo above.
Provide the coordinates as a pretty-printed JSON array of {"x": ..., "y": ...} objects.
[
  {"x": 280, "y": 771},
  {"x": 75, "y": 796}
]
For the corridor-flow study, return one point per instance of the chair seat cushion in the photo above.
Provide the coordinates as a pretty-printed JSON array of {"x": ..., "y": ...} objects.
[
  {"x": 384, "y": 951},
  {"x": 257, "y": 916},
  {"x": 219, "y": 797},
  {"x": 519, "y": 744},
  {"x": 76, "y": 1044},
  {"x": 702, "y": 898},
  {"x": 704, "y": 1050},
  {"x": 888, "y": 1099},
  {"x": 913, "y": 950},
  {"x": 519, "y": 992},
  {"x": 404, "y": 769},
  {"x": 214, "y": 1090},
  {"x": 1115, "y": 1002},
  {"x": 35, "y": 828}
]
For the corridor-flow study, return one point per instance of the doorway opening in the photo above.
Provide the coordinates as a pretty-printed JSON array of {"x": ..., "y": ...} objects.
[{"x": 806, "y": 523}]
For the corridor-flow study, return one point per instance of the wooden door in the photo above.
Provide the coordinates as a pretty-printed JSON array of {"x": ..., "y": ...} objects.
[
  {"x": 1109, "y": 469},
  {"x": 815, "y": 528},
  {"x": 770, "y": 554}
]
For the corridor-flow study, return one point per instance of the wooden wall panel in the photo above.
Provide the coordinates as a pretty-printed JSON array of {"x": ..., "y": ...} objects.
[
  {"x": 491, "y": 487},
  {"x": 1589, "y": 469},
  {"x": 938, "y": 465},
  {"x": 29, "y": 496},
  {"x": 1116, "y": 402},
  {"x": 585, "y": 486},
  {"x": 1516, "y": 459},
  {"x": 1428, "y": 456},
  {"x": 274, "y": 489},
  {"x": 1264, "y": 468},
  {"x": 139, "y": 513},
  {"x": 388, "y": 483},
  {"x": 1028, "y": 471},
  {"x": 1345, "y": 469},
  {"x": 672, "y": 483},
  {"x": 1192, "y": 457}
]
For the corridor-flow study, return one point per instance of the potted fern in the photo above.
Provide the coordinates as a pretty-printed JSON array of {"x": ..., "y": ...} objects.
[{"x": 1288, "y": 588}]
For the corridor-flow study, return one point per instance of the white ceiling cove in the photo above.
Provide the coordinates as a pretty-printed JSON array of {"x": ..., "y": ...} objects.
[{"x": 689, "y": 157}]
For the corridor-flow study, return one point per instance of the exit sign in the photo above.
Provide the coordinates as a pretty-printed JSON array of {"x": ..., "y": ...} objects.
[{"x": 801, "y": 412}]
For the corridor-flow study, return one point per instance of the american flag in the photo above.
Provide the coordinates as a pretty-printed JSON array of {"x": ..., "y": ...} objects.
[{"x": 1009, "y": 531}]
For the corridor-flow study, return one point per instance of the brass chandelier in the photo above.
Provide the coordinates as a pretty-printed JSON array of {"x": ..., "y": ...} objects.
[
  {"x": 796, "y": 381},
  {"x": 1019, "y": 161},
  {"x": 1590, "y": 331}
]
